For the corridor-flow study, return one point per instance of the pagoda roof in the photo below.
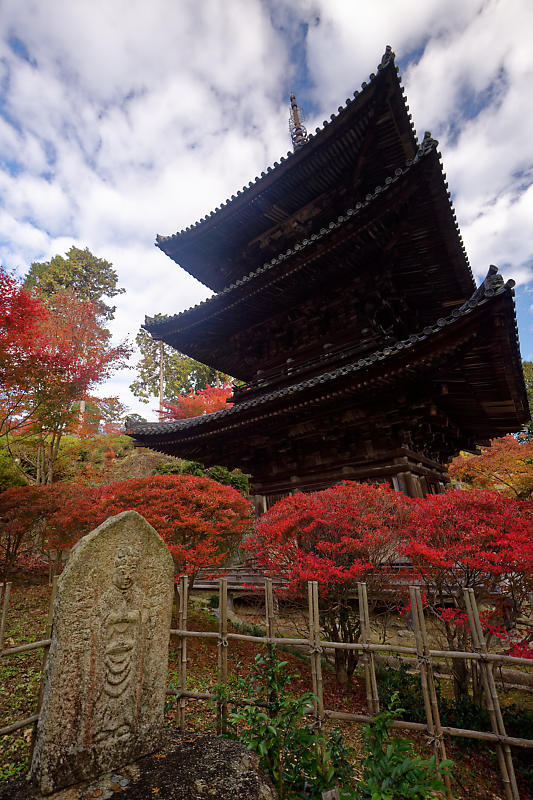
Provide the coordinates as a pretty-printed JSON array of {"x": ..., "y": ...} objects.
[
  {"x": 495, "y": 404},
  {"x": 431, "y": 266},
  {"x": 374, "y": 129}
]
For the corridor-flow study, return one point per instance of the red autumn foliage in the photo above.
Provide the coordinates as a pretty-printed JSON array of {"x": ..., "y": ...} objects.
[
  {"x": 212, "y": 398},
  {"x": 21, "y": 353},
  {"x": 66, "y": 353},
  {"x": 200, "y": 520},
  {"x": 479, "y": 540},
  {"x": 476, "y": 539},
  {"x": 337, "y": 537}
]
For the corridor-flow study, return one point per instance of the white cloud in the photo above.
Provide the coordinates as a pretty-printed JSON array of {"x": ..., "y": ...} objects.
[{"x": 130, "y": 118}]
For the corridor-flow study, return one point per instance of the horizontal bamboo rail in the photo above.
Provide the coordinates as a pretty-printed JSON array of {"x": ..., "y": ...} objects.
[
  {"x": 21, "y": 723},
  {"x": 24, "y": 648},
  {"x": 423, "y": 656},
  {"x": 497, "y": 658}
]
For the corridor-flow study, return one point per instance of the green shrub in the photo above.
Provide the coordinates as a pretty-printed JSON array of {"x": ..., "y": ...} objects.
[
  {"x": 235, "y": 478},
  {"x": 391, "y": 768},
  {"x": 301, "y": 761},
  {"x": 401, "y": 687}
]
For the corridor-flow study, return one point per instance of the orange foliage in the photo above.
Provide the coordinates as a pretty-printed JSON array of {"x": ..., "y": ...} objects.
[{"x": 505, "y": 467}]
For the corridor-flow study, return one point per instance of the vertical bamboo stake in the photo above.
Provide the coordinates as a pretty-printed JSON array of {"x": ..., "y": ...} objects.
[
  {"x": 222, "y": 652},
  {"x": 269, "y": 610},
  {"x": 493, "y": 703},
  {"x": 432, "y": 707},
  {"x": 46, "y": 649},
  {"x": 422, "y": 663},
  {"x": 180, "y": 645},
  {"x": 315, "y": 650},
  {"x": 372, "y": 695},
  {"x": 5, "y": 606},
  {"x": 184, "y": 598},
  {"x": 311, "y": 645}
]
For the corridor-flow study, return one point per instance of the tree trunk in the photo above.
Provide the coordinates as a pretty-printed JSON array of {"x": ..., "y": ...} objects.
[{"x": 340, "y": 668}]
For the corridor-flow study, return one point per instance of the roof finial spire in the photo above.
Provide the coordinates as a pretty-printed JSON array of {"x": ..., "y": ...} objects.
[{"x": 298, "y": 132}]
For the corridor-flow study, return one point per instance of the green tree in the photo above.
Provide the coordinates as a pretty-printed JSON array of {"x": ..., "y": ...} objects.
[
  {"x": 87, "y": 276},
  {"x": 181, "y": 374},
  {"x": 528, "y": 377}
]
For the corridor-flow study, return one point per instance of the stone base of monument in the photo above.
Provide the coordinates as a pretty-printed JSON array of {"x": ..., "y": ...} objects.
[{"x": 189, "y": 767}]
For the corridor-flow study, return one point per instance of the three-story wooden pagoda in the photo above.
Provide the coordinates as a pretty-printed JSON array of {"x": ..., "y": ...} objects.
[{"x": 345, "y": 302}]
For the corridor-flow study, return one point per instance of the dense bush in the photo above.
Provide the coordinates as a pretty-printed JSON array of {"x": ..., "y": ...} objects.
[
  {"x": 337, "y": 537},
  {"x": 239, "y": 480},
  {"x": 301, "y": 760},
  {"x": 201, "y": 521},
  {"x": 391, "y": 768}
]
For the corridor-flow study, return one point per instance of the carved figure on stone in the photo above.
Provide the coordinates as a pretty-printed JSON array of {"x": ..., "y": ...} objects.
[
  {"x": 121, "y": 625},
  {"x": 105, "y": 677}
]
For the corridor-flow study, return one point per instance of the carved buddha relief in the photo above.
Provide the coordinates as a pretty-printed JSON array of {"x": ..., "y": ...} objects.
[{"x": 120, "y": 643}]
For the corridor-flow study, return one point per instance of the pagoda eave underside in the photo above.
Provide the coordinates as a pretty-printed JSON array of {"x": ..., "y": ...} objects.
[
  {"x": 406, "y": 228},
  {"x": 363, "y": 143},
  {"x": 449, "y": 390}
]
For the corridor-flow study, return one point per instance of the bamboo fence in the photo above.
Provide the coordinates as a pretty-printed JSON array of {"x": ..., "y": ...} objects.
[{"x": 315, "y": 646}]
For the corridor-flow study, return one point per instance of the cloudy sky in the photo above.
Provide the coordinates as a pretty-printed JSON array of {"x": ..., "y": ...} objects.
[{"x": 120, "y": 119}]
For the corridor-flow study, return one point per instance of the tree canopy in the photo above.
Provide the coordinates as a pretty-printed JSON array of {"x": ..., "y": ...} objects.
[
  {"x": 181, "y": 374},
  {"x": 200, "y": 520},
  {"x": 90, "y": 278},
  {"x": 506, "y": 466},
  {"x": 50, "y": 358}
]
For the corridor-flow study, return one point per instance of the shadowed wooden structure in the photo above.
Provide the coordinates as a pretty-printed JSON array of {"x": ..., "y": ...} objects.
[{"x": 345, "y": 302}]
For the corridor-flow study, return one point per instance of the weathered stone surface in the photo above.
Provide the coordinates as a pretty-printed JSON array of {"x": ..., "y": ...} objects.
[
  {"x": 190, "y": 766},
  {"x": 105, "y": 678}
]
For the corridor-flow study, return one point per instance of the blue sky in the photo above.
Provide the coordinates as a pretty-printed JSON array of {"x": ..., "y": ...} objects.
[{"x": 123, "y": 119}]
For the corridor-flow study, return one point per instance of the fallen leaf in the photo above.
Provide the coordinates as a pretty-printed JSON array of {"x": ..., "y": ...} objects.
[
  {"x": 155, "y": 790},
  {"x": 161, "y": 755},
  {"x": 97, "y": 793}
]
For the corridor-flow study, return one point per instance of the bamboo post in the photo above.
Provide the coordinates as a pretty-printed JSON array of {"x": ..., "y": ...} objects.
[
  {"x": 179, "y": 687},
  {"x": 315, "y": 651},
  {"x": 273, "y": 698},
  {"x": 270, "y": 619},
  {"x": 5, "y": 606},
  {"x": 427, "y": 679},
  {"x": 372, "y": 695},
  {"x": 222, "y": 653},
  {"x": 46, "y": 649},
  {"x": 184, "y": 597},
  {"x": 491, "y": 694}
]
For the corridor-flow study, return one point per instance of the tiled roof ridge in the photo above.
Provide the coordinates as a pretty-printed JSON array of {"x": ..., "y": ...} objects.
[
  {"x": 492, "y": 286},
  {"x": 427, "y": 146},
  {"x": 387, "y": 59}
]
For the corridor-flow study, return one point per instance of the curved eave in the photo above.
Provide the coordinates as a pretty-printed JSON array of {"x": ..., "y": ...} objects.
[
  {"x": 249, "y": 292},
  {"x": 486, "y": 299},
  {"x": 252, "y": 210}
]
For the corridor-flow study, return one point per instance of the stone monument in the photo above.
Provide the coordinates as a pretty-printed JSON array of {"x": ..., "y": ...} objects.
[{"x": 106, "y": 673}]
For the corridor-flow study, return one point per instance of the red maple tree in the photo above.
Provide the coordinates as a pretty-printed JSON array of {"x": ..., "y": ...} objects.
[
  {"x": 479, "y": 540},
  {"x": 21, "y": 355},
  {"x": 69, "y": 354},
  {"x": 200, "y": 520},
  {"x": 337, "y": 537},
  {"x": 205, "y": 401}
]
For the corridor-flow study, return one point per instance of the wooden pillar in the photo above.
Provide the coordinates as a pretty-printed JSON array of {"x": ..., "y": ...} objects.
[
  {"x": 409, "y": 484},
  {"x": 260, "y": 504}
]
